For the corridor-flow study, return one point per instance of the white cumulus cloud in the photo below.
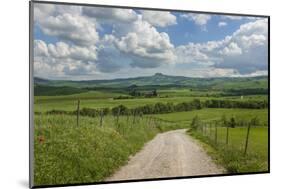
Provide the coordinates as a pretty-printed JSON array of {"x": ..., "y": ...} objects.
[
  {"x": 63, "y": 59},
  {"x": 72, "y": 28},
  {"x": 222, "y": 24},
  {"x": 245, "y": 50},
  {"x": 159, "y": 18},
  {"x": 95, "y": 40},
  {"x": 146, "y": 46},
  {"x": 110, "y": 14},
  {"x": 198, "y": 19}
]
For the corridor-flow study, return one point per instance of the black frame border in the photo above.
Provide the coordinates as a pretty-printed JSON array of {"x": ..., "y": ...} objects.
[{"x": 31, "y": 96}]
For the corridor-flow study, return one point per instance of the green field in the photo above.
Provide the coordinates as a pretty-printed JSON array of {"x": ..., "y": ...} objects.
[
  {"x": 208, "y": 114},
  {"x": 231, "y": 156},
  {"x": 258, "y": 140},
  {"x": 87, "y": 100},
  {"x": 101, "y": 143},
  {"x": 98, "y": 99}
]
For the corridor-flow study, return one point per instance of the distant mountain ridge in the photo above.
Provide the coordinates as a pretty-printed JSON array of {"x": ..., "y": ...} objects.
[{"x": 160, "y": 80}]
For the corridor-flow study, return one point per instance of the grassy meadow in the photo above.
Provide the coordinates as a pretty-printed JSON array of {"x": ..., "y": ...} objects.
[
  {"x": 100, "y": 99},
  {"x": 231, "y": 155},
  {"x": 89, "y": 100},
  {"x": 72, "y": 147},
  {"x": 66, "y": 153}
]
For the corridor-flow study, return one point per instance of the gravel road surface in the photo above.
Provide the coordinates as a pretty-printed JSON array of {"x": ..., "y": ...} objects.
[{"x": 169, "y": 154}]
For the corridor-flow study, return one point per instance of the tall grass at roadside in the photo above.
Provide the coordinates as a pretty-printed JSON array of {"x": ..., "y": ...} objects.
[
  {"x": 231, "y": 155},
  {"x": 66, "y": 153}
]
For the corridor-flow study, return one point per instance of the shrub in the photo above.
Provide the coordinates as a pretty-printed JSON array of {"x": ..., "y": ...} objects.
[{"x": 195, "y": 122}]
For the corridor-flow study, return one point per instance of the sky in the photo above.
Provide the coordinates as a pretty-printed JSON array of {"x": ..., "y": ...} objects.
[{"x": 88, "y": 43}]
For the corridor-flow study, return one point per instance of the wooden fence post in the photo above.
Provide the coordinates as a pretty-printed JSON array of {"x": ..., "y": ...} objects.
[
  {"x": 41, "y": 121},
  {"x": 117, "y": 120},
  {"x": 207, "y": 130},
  {"x": 148, "y": 121},
  {"x": 78, "y": 112},
  {"x": 216, "y": 132},
  {"x": 204, "y": 129},
  {"x": 134, "y": 116},
  {"x": 140, "y": 116},
  {"x": 101, "y": 118},
  {"x": 247, "y": 139},
  {"x": 227, "y": 133},
  {"x": 127, "y": 117}
]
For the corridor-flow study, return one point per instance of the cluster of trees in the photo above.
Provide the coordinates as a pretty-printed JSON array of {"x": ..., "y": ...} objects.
[
  {"x": 196, "y": 123},
  {"x": 224, "y": 121},
  {"x": 122, "y": 97},
  {"x": 232, "y": 122},
  {"x": 136, "y": 93},
  {"x": 251, "y": 104},
  {"x": 157, "y": 108},
  {"x": 93, "y": 112},
  {"x": 57, "y": 112},
  {"x": 247, "y": 91},
  {"x": 84, "y": 112}
]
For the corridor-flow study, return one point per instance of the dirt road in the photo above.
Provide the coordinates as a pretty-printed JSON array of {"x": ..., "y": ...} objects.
[{"x": 169, "y": 154}]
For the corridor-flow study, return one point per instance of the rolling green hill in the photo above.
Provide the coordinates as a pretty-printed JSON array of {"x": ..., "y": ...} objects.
[{"x": 159, "y": 79}]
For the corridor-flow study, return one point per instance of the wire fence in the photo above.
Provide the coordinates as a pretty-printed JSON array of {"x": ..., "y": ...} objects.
[
  {"x": 218, "y": 132},
  {"x": 223, "y": 135}
]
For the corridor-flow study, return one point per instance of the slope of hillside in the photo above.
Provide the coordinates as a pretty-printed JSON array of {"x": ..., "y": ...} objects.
[{"x": 164, "y": 80}]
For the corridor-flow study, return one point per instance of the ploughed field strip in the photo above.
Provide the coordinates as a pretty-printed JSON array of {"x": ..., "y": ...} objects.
[{"x": 169, "y": 154}]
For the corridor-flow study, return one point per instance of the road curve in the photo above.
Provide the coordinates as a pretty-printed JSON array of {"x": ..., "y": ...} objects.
[{"x": 169, "y": 154}]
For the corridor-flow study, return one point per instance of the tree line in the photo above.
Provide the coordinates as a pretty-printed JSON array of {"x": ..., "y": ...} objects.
[
  {"x": 225, "y": 121},
  {"x": 248, "y": 91},
  {"x": 160, "y": 108}
]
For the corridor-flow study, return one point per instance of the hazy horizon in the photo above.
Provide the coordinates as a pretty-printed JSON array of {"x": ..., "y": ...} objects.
[{"x": 150, "y": 76}]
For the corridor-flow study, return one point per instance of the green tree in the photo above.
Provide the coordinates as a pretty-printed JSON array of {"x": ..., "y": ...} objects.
[
  {"x": 232, "y": 122},
  {"x": 224, "y": 120},
  {"x": 154, "y": 92},
  {"x": 195, "y": 122},
  {"x": 120, "y": 110},
  {"x": 255, "y": 121}
]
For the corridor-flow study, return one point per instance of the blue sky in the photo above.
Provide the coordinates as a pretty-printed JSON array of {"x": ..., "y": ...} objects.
[
  {"x": 187, "y": 31},
  {"x": 39, "y": 35},
  {"x": 74, "y": 42}
]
